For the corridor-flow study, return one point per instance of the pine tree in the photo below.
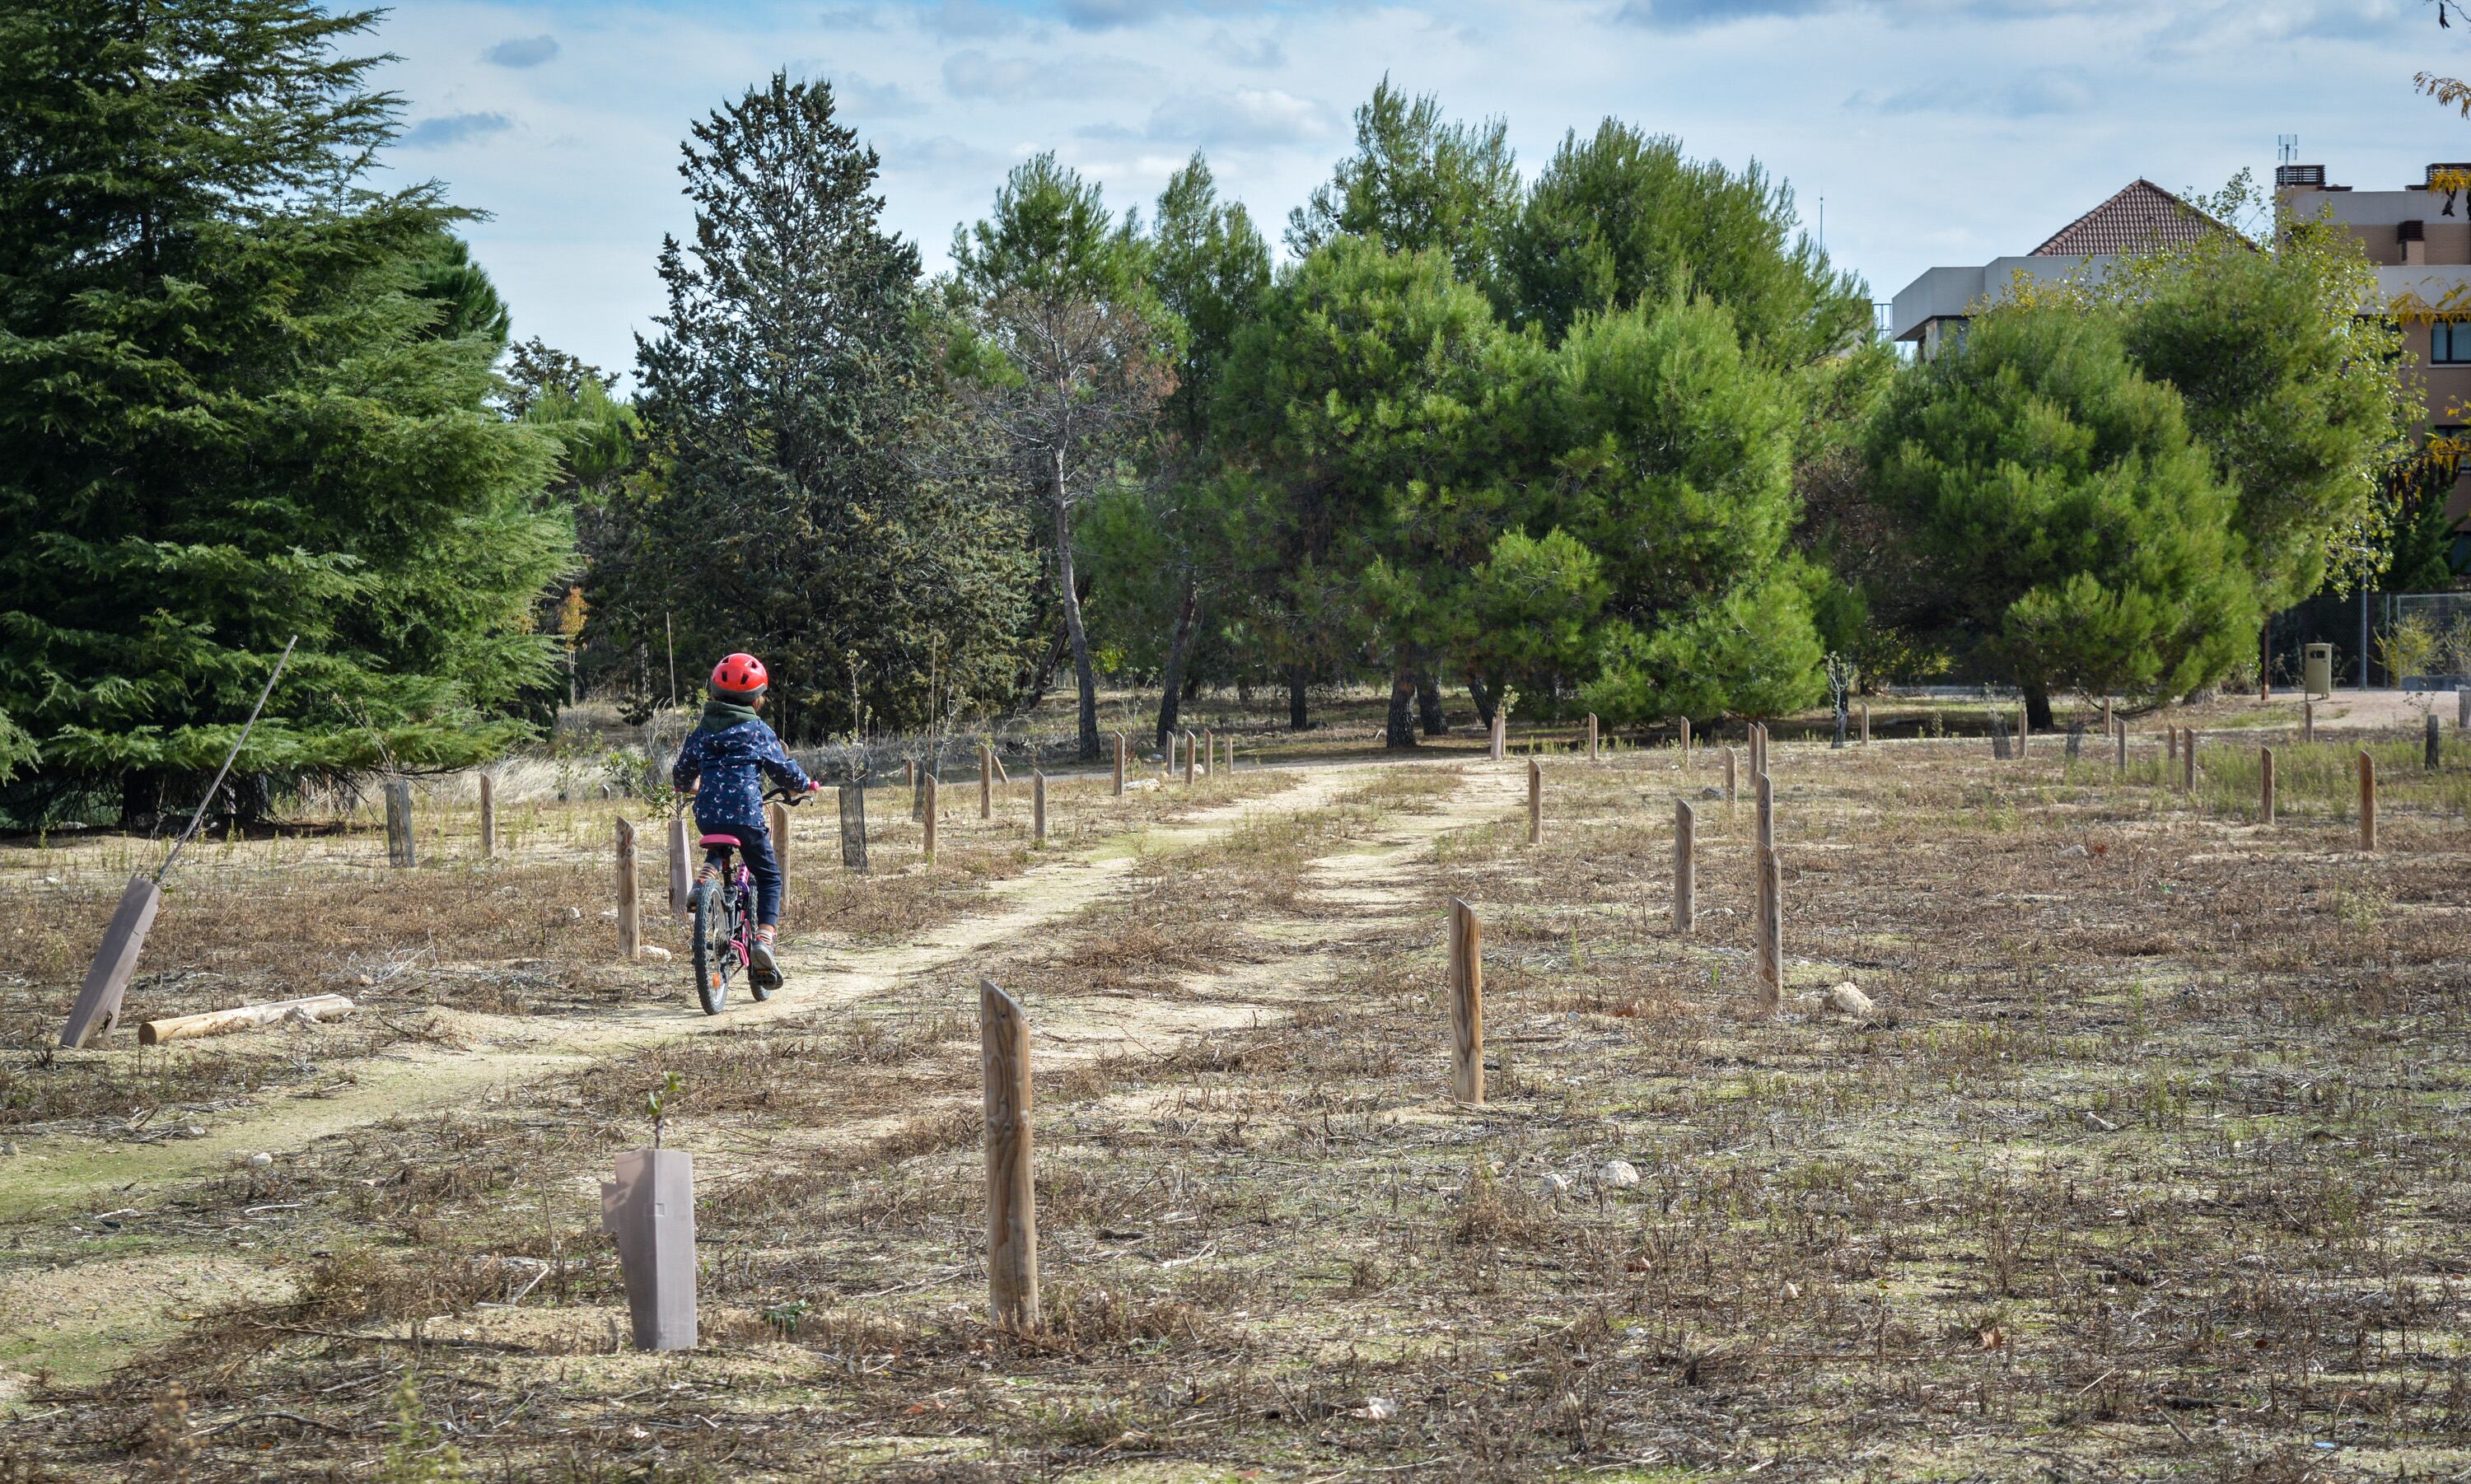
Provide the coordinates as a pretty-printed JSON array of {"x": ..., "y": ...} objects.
[
  {"x": 228, "y": 415},
  {"x": 804, "y": 496}
]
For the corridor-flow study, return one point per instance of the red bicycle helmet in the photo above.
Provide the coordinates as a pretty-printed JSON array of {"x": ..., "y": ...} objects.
[{"x": 740, "y": 674}]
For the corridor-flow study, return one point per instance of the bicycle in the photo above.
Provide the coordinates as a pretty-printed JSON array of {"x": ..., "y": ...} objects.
[{"x": 724, "y": 917}]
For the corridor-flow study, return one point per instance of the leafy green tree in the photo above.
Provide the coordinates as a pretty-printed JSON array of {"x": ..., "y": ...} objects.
[
  {"x": 805, "y": 494},
  {"x": 1077, "y": 356},
  {"x": 468, "y": 305},
  {"x": 1418, "y": 181},
  {"x": 1531, "y": 617},
  {"x": 1670, "y": 450},
  {"x": 536, "y": 368},
  {"x": 2067, "y": 509},
  {"x": 1622, "y": 218},
  {"x": 228, "y": 415}
]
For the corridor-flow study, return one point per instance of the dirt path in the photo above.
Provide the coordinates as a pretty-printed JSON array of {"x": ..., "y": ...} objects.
[{"x": 496, "y": 1055}]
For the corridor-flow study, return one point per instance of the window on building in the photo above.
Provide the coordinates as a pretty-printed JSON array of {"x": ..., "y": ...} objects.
[{"x": 2449, "y": 343}]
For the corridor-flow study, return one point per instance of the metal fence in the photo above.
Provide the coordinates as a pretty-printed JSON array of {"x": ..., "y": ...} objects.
[{"x": 2416, "y": 641}]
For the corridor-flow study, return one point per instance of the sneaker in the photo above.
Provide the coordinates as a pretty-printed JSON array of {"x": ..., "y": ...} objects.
[{"x": 762, "y": 965}]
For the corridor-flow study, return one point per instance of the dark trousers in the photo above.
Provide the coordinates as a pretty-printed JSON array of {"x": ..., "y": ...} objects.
[{"x": 755, "y": 844}]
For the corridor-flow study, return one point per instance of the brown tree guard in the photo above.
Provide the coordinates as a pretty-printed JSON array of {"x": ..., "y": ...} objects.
[
  {"x": 649, "y": 1209},
  {"x": 115, "y": 963},
  {"x": 2265, "y": 786},
  {"x": 1685, "y": 867},
  {"x": 246, "y": 1017},
  {"x": 1591, "y": 737},
  {"x": 630, "y": 919},
  {"x": 1729, "y": 762},
  {"x": 1500, "y": 728},
  {"x": 2368, "y": 801},
  {"x": 681, "y": 869},
  {"x": 1771, "y": 927},
  {"x": 779, "y": 820},
  {"x": 986, "y": 781},
  {"x": 400, "y": 853},
  {"x": 1037, "y": 806},
  {"x": 1012, "y": 1197},
  {"x": 488, "y": 817},
  {"x": 1535, "y": 802},
  {"x": 852, "y": 797},
  {"x": 1466, "y": 1004},
  {"x": 1120, "y": 766},
  {"x": 926, "y": 820}
]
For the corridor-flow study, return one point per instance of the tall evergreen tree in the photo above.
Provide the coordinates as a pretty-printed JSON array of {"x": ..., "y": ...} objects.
[
  {"x": 1418, "y": 181},
  {"x": 229, "y": 414},
  {"x": 801, "y": 500}
]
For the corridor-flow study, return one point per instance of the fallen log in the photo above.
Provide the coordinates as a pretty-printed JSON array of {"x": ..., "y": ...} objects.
[{"x": 246, "y": 1017}]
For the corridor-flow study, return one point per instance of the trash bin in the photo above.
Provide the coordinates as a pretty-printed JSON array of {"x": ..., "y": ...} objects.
[{"x": 2317, "y": 672}]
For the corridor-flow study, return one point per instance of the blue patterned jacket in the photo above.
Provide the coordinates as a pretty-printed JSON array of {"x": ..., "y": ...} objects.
[{"x": 730, "y": 762}]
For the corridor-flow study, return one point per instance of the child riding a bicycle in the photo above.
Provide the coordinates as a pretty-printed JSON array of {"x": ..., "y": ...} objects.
[{"x": 722, "y": 764}]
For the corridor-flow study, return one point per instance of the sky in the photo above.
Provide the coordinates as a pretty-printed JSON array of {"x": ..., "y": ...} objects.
[{"x": 1933, "y": 131}]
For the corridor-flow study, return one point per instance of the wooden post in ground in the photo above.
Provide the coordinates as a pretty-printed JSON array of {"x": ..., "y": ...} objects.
[
  {"x": 927, "y": 817},
  {"x": 2368, "y": 801},
  {"x": 681, "y": 870},
  {"x": 986, "y": 781},
  {"x": 2105, "y": 715},
  {"x": 853, "y": 799},
  {"x": 488, "y": 817},
  {"x": 630, "y": 919},
  {"x": 777, "y": 819},
  {"x": 1535, "y": 802},
  {"x": 2462, "y": 708},
  {"x": 1685, "y": 867},
  {"x": 2265, "y": 786},
  {"x": 2171, "y": 751},
  {"x": 1466, "y": 1004},
  {"x": 1191, "y": 748},
  {"x": 1686, "y": 739},
  {"x": 1591, "y": 737},
  {"x": 400, "y": 852},
  {"x": 1767, "y": 811},
  {"x": 2024, "y": 733},
  {"x": 2307, "y": 720},
  {"x": 2121, "y": 732},
  {"x": 1771, "y": 927},
  {"x": 1012, "y": 1192},
  {"x": 1729, "y": 761},
  {"x": 1866, "y": 723},
  {"x": 2188, "y": 763},
  {"x": 2429, "y": 750},
  {"x": 115, "y": 962},
  {"x": 1231, "y": 756},
  {"x": 1757, "y": 735},
  {"x": 917, "y": 788},
  {"x": 1500, "y": 727},
  {"x": 1037, "y": 806},
  {"x": 1120, "y": 766}
]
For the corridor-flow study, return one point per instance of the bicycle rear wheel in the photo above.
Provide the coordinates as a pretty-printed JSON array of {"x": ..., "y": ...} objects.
[{"x": 715, "y": 958}]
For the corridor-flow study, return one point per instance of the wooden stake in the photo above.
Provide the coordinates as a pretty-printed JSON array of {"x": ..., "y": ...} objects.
[
  {"x": 1685, "y": 867},
  {"x": 2461, "y": 708},
  {"x": 1500, "y": 728},
  {"x": 1767, "y": 811},
  {"x": 1771, "y": 927},
  {"x": 681, "y": 869},
  {"x": 246, "y": 1017},
  {"x": 986, "y": 781},
  {"x": 1003, "y": 777},
  {"x": 2428, "y": 757},
  {"x": 2265, "y": 784},
  {"x": 2307, "y": 720},
  {"x": 630, "y": 920},
  {"x": 1466, "y": 1004},
  {"x": 1120, "y": 766},
  {"x": 400, "y": 853},
  {"x": 1729, "y": 761},
  {"x": 1591, "y": 737},
  {"x": 1191, "y": 757},
  {"x": 2121, "y": 731},
  {"x": 2188, "y": 763},
  {"x": 926, "y": 840},
  {"x": 488, "y": 816},
  {"x": 115, "y": 962},
  {"x": 1866, "y": 723},
  {"x": 2105, "y": 715},
  {"x": 853, "y": 798},
  {"x": 778, "y": 819},
  {"x": 1535, "y": 802},
  {"x": 1686, "y": 739},
  {"x": 2171, "y": 749},
  {"x": 2024, "y": 733},
  {"x": 1012, "y": 1192},
  {"x": 2368, "y": 801},
  {"x": 1037, "y": 806}
]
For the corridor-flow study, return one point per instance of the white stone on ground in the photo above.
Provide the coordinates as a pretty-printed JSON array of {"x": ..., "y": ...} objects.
[{"x": 1619, "y": 1174}]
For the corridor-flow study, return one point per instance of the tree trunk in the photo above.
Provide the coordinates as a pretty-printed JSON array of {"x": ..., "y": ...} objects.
[
  {"x": 1171, "y": 684},
  {"x": 1401, "y": 730},
  {"x": 1081, "y": 668},
  {"x": 1298, "y": 710},
  {"x": 2038, "y": 707},
  {"x": 1428, "y": 704},
  {"x": 1043, "y": 677},
  {"x": 1482, "y": 694}
]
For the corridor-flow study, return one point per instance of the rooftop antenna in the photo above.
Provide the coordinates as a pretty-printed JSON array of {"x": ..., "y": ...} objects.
[{"x": 2289, "y": 145}]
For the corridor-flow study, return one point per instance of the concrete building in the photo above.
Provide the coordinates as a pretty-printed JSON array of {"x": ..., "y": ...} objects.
[{"x": 1930, "y": 311}]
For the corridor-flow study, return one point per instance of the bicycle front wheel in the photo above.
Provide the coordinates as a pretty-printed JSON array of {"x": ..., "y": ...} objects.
[{"x": 715, "y": 959}]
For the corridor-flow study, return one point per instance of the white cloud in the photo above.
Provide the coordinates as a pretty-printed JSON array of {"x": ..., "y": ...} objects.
[
  {"x": 453, "y": 129},
  {"x": 1240, "y": 116},
  {"x": 521, "y": 52}
]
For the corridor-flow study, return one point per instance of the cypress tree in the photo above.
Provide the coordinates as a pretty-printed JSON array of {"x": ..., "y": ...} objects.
[{"x": 236, "y": 404}]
